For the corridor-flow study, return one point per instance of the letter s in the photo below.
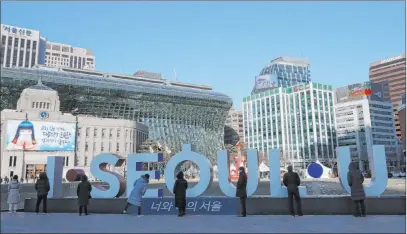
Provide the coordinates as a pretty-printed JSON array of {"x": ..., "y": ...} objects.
[{"x": 116, "y": 181}]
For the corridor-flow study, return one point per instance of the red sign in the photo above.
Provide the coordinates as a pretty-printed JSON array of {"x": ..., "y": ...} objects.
[{"x": 360, "y": 92}]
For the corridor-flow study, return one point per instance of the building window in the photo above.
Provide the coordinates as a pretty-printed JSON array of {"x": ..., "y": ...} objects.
[
  {"x": 103, "y": 132},
  {"x": 15, "y": 161},
  {"x": 67, "y": 161},
  {"x": 33, "y": 105},
  {"x": 118, "y": 132},
  {"x": 110, "y": 146},
  {"x": 86, "y": 147},
  {"x": 101, "y": 147},
  {"x": 94, "y": 146},
  {"x": 10, "y": 163},
  {"x": 95, "y": 132},
  {"x": 125, "y": 147},
  {"x": 48, "y": 105},
  {"x": 79, "y": 132},
  {"x": 36, "y": 105},
  {"x": 87, "y": 131},
  {"x": 111, "y": 133},
  {"x": 117, "y": 147}
]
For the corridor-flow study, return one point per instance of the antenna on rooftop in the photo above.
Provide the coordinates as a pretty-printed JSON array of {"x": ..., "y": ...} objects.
[{"x": 175, "y": 75}]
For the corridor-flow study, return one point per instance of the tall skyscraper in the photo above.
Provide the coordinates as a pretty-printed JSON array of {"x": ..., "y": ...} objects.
[
  {"x": 234, "y": 127},
  {"x": 363, "y": 119},
  {"x": 282, "y": 72},
  {"x": 67, "y": 56},
  {"x": 391, "y": 71},
  {"x": 21, "y": 47},
  {"x": 298, "y": 120}
]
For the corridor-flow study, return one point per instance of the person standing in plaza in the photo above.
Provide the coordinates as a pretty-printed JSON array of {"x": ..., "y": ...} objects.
[
  {"x": 355, "y": 181},
  {"x": 292, "y": 180},
  {"x": 42, "y": 187},
  {"x": 180, "y": 192},
  {"x": 13, "y": 198},
  {"x": 241, "y": 192},
  {"x": 83, "y": 192},
  {"x": 139, "y": 189}
]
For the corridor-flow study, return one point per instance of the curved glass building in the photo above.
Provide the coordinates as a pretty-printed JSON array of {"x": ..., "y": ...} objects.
[{"x": 175, "y": 113}]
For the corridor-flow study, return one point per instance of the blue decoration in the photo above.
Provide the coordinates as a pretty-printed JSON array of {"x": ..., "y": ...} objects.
[{"x": 315, "y": 170}]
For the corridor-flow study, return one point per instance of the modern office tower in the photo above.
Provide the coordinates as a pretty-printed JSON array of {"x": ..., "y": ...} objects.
[
  {"x": 175, "y": 113},
  {"x": 391, "y": 71},
  {"x": 234, "y": 127},
  {"x": 21, "y": 47},
  {"x": 364, "y": 119},
  {"x": 298, "y": 120},
  {"x": 282, "y": 72},
  {"x": 402, "y": 119},
  {"x": 67, "y": 56}
]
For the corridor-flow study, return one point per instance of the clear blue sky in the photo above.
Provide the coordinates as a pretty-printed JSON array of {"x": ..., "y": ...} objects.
[{"x": 222, "y": 44}]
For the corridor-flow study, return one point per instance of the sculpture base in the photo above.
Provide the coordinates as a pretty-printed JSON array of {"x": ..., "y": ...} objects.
[{"x": 311, "y": 205}]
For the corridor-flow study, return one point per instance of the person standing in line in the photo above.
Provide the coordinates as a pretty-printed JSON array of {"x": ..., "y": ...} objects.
[
  {"x": 13, "y": 198},
  {"x": 355, "y": 181},
  {"x": 241, "y": 190},
  {"x": 180, "y": 192},
  {"x": 83, "y": 191},
  {"x": 139, "y": 189},
  {"x": 42, "y": 187},
  {"x": 292, "y": 180}
]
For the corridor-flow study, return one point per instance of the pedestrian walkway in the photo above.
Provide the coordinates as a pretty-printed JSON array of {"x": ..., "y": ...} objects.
[{"x": 115, "y": 223}]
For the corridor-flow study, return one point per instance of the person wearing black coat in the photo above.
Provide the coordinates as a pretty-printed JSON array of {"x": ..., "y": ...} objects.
[
  {"x": 42, "y": 187},
  {"x": 292, "y": 180},
  {"x": 83, "y": 192},
  {"x": 180, "y": 192},
  {"x": 241, "y": 190}
]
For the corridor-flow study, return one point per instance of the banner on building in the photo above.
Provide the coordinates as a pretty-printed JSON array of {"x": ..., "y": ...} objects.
[{"x": 40, "y": 136}]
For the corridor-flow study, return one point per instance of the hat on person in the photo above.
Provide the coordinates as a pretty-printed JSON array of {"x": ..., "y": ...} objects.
[{"x": 147, "y": 176}]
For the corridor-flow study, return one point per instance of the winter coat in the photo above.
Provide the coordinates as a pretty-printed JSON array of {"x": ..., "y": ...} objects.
[
  {"x": 83, "y": 192},
  {"x": 241, "y": 185},
  {"x": 139, "y": 189},
  {"x": 291, "y": 180},
  {"x": 180, "y": 192},
  {"x": 355, "y": 181},
  {"x": 42, "y": 187},
  {"x": 14, "y": 192}
]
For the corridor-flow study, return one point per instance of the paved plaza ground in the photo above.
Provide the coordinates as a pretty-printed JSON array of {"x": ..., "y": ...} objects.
[{"x": 115, "y": 223}]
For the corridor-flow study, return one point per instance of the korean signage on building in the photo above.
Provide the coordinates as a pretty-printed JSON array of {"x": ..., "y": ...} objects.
[
  {"x": 359, "y": 91},
  {"x": 16, "y": 31},
  {"x": 265, "y": 82},
  {"x": 390, "y": 59},
  {"x": 40, "y": 136}
]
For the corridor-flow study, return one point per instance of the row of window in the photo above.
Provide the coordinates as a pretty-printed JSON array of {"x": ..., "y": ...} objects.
[
  {"x": 41, "y": 105},
  {"x": 131, "y": 133}
]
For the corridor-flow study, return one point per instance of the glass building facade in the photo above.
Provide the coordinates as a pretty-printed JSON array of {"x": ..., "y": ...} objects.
[
  {"x": 175, "y": 115},
  {"x": 283, "y": 72},
  {"x": 298, "y": 120}
]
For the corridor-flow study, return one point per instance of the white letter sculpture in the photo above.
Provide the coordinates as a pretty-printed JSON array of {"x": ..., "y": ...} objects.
[
  {"x": 55, "y": 165},
  {"x": 98, "y": 168},
  {"x": 378, "y": 167},
  {"x": 276, "y": 190},
  {"x": 205, "y": 168},
  {"x": 226, "y": 185},
  {"x": 135, "y": 171}
]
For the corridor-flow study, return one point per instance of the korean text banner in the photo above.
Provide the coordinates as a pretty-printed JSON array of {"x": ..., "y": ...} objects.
[{"x": 41, "y": 136}]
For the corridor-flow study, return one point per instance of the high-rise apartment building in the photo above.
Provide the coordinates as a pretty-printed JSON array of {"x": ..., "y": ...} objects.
[
  {"x": 67, "y": 56},
  {"x": 298, "y": 120},
  {"x": 21, "y": 47},
  {"x": 282, "y": 72},
  {"x": 402, "y": 119},
  {"x": 363, "y": 119},
  {"x": 234, "y": 127},
  {"x": 391, "y": 71}
]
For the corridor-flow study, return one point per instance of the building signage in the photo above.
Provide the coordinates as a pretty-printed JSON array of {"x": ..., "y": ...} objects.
[
  {"x": 390, "y": 59},
  {"x": 360, "y": 89},
  {"x": 265, "y": 81},
  {"x": 18, "y": 31},
  {"x": 117, "y": 183},
  {"x": 40, "y": 136}
]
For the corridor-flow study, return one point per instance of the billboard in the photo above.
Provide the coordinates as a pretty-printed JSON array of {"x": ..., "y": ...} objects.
[
  {"x": 360, "y": 91},
  {"x": 40, "y": 136},
  {"x": 265, "y": 82}
]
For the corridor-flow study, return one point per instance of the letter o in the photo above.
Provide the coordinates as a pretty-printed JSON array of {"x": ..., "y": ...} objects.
[{"x": 205, "y": 168}]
